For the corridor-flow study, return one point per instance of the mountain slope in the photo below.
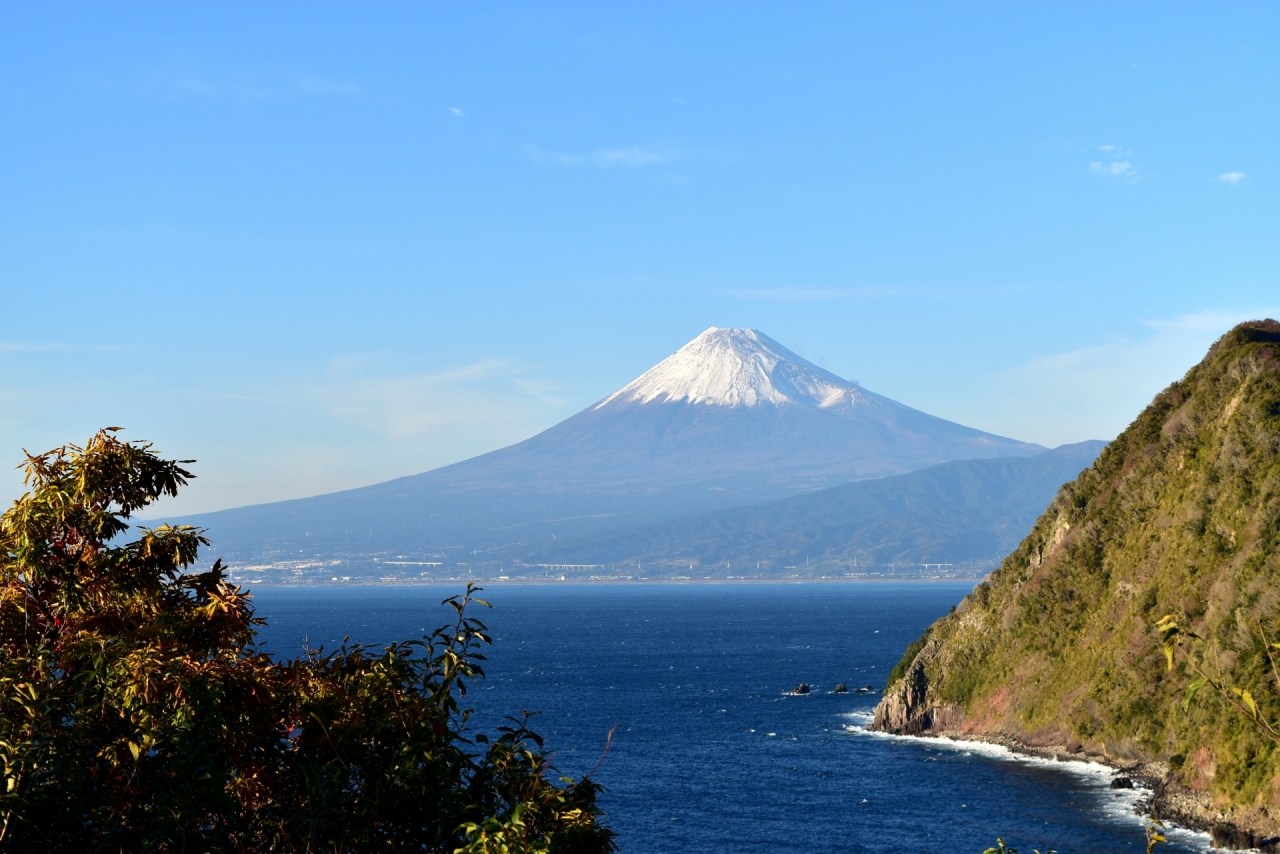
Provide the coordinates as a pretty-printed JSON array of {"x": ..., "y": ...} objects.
[
  {"x": 1179, "y": 515},
  {"x": 731, "y": 418},
  {"x": 969, "y": 510}
]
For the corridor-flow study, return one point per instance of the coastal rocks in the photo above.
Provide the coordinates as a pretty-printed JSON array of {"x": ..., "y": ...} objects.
[
  {"x": 901, "y": 705},
  {"x": 1237, "y": 839},
  {"x": 1241, "y": 830},
  {"x": 908, "y": 707},
  {"x": 841, "y": 688},
  {"x": 1122, "y": 783}
]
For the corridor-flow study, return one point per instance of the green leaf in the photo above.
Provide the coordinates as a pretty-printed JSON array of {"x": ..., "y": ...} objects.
[
  {"x": 1191, "y": 692},
  {"x": 1247, "y": 699}
]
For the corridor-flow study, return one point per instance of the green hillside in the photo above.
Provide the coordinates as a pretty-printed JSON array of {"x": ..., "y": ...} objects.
[
  {"x": 1057, "y": 649},
  {"x": 965, "y": 511}
]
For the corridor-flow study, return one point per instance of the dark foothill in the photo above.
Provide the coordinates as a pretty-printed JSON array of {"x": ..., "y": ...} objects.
[
  {"x": 802, "y": 688},
  {"x": 1122, "y": 783},
  {"x": 841, "y": 689}
]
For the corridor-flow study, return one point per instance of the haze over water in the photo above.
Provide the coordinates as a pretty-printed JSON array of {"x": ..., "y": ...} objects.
[{"x": 711, "y": 755}]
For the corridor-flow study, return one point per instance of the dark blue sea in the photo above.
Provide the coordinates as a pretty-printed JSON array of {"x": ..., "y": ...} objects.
[{"x": 711, "y": 754}]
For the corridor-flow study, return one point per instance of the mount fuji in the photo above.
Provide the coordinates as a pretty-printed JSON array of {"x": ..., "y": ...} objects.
[{"x": 730, "y": 419}]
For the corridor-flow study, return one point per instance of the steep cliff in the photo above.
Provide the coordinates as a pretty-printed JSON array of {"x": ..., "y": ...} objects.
[{"x": 1057, "y": 650}]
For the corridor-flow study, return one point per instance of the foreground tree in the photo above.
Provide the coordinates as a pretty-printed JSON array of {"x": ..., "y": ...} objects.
[{"x": 137, "y": 714}]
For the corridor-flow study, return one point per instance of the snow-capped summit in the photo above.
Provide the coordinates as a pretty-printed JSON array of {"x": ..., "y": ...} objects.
[
  {"x": 738, "y": 367},
  {"x": 729, "y": 419}
]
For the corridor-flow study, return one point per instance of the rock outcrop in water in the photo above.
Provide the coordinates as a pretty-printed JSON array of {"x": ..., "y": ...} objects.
[{"x": 1056, "y": 651}]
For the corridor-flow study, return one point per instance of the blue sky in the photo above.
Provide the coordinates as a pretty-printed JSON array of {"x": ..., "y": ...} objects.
[{"x": 317, "y": 246}]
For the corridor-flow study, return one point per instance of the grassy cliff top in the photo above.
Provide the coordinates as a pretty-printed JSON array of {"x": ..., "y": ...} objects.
[{"x": 1179, "y": 515}]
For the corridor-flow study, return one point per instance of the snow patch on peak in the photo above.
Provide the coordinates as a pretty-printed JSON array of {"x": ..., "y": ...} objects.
[{"x": 739, "y": 367}]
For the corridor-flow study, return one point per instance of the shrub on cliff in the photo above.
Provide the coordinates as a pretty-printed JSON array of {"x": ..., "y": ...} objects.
[{"x": 137, "y": 714}]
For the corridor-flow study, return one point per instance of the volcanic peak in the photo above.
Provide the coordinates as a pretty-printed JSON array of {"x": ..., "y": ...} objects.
[{"x": 739, "y": 367}]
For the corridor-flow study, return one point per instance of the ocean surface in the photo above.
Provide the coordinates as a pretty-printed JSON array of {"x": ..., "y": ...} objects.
[{"x": 711, "y": 754}]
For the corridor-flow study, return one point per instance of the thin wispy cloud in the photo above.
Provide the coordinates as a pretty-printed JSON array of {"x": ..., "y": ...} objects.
[
  {"x": 323, "y": 86},
  {"x": 25, "y": 347},
  {"x": 633, "y": 157},
  {"x": 809, "y": 294},
  {"x": 34, "y": 347},
  {"x": 803, "y": 294},
  {"x": 465, "y": 400},
  {"x": 1095, "y": 392},
  {"x": 1231, "y": 177},
  {"x": 391, "y": 423},
  {"x": 252, "y": 87},
  {"x": 456, "y": 112},
  {"x": 1217, "y": 322},
  {"x": 1116, "y": 162},
  {"x": 223, "y": 395},
  {"x": 553, "y": 158},
  {"x": 1115, "y": 169}
]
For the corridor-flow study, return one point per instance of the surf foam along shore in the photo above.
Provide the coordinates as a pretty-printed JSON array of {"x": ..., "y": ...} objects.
[{"x": 1131, "y": 806}]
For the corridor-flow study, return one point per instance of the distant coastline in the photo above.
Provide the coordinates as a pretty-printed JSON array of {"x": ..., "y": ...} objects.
[
  {"x": 544, "y": 582},
  {"x": 358, "y": 570}
]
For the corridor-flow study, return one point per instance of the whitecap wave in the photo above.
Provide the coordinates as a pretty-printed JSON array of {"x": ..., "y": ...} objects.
[{"x": 1122, "y": 807}]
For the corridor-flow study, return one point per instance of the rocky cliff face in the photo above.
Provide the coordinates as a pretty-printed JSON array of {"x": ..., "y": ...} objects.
[
  {"x": 1056, "y": 649},
  {"x": 909, "y": 708}
]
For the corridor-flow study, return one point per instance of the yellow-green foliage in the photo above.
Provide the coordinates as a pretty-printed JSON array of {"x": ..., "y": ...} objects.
[
  {"x": 1180, "y": 515},
  {"x": 137, "y": 714}
]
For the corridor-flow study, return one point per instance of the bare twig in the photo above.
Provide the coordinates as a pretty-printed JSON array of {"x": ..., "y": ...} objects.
[{"x": 608, "y": 742}]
